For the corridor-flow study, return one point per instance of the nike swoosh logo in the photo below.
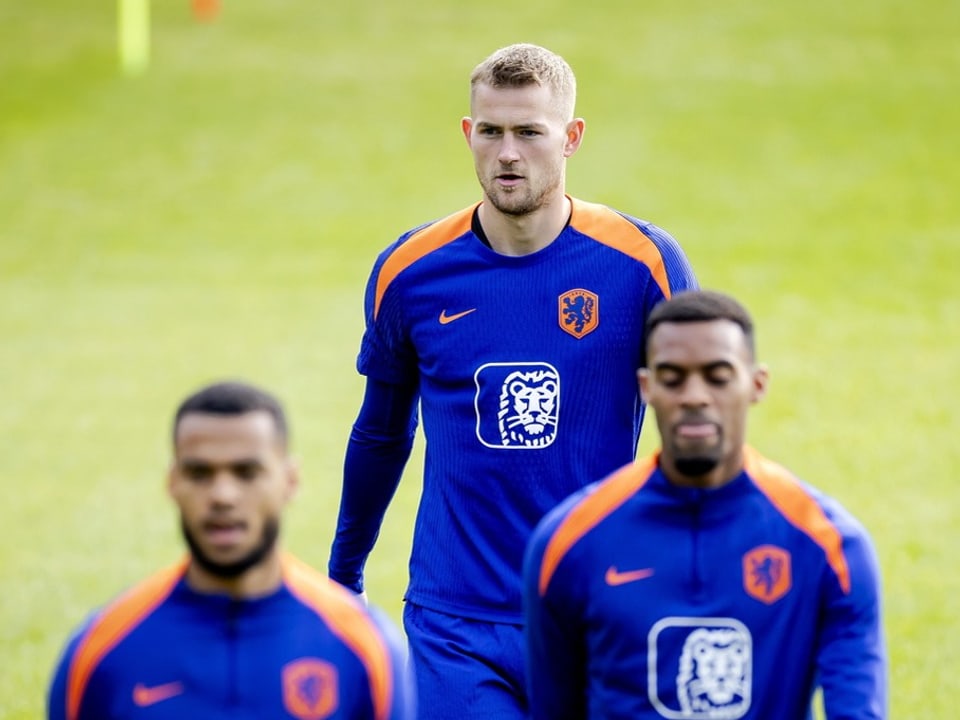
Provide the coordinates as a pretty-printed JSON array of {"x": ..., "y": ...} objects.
[
  {"x": 444, "y": 318},
  {"x": 144, "y": 696},
  {"x": 615, "y": 577}
]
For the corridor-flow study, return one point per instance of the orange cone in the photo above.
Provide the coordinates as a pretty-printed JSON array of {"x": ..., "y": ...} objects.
[{"x": 205, "y": 10}]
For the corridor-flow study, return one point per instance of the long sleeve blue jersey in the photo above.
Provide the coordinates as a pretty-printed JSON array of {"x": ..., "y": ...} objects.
[
  {"x": 645, "y": 600},
  {"x": 525, "y": 369},
  {"x": 309, "y": 651}
]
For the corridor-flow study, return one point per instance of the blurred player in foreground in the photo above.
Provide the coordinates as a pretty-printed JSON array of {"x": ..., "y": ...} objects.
[{"x": 238, "y": 629}]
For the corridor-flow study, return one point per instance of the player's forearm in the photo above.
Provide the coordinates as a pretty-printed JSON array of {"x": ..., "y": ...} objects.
[
  {"x": 372, "y": 471},
  {"x": 854, "y": 683},
  {"x": 852, "y": 665},
  {"x": 852, "y": 669}
]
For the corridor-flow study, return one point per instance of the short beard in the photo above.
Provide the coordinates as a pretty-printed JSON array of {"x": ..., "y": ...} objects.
[
  {"x": 695, "y": 467},
  {"x": 228, "y": 571},
  {"x": 517, "y": 210}
]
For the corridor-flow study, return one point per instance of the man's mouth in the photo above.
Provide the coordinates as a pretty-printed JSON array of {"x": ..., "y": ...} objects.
[
  {"x": 696, "y": 430},
  {"x": 221, "y": 532}
]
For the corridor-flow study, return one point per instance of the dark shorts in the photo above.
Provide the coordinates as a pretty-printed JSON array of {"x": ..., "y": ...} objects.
[{"x": 466, "y": 669}]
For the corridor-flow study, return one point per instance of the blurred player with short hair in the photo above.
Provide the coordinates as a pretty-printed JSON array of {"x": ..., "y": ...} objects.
[{"x": 238, "y": 628}]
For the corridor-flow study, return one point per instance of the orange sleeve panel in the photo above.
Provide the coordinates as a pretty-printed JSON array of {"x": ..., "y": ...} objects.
[
  {"x": 610, "y": 228},
  {"x": 419, "y": 244},
  {"x": 337, "y": 607},
  {"x": 782, "y": 489},
  {"x": 588, "y": 513},
  {"x": 117, "y": 620}
]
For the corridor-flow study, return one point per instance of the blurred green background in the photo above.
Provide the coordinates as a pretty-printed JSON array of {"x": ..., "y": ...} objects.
[{"x": 217, "y": 215}]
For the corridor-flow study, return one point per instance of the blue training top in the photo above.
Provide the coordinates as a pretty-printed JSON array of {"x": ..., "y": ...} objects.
[
  {"x": 525, "y": 369},
  {"x": 645, "y": 601},
  {"x": 310, "y": 650}
]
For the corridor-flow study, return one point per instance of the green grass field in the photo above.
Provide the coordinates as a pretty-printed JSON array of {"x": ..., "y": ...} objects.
[{"x": 217, "y": 216}]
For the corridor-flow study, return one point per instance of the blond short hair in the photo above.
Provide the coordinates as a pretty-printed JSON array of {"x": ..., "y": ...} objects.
[{"x": 525, "y": 64}]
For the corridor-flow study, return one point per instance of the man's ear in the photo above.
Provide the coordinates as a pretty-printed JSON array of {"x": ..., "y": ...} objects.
[
  {"x": 643, "y": 381},
  {"x": 575, "y": 130},
  {"x": 293, "y": 478},
  {"x": 171, "y": 476},
  {"x": 761, "y": 382}
]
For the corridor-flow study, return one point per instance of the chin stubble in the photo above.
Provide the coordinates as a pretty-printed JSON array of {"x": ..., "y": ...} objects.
[
  {"x": 268, "y": 539},
  {"x": 695, "y": 467}
]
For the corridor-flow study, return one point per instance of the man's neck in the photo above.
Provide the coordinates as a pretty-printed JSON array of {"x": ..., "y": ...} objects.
[
  {"x": 725, "y": 472},
  {"x": 524, "y": 234},
  {"x": 259, "y": 581}
]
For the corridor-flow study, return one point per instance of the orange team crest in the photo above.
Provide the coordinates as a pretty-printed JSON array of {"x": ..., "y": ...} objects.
[
  {"x": 310, "y": 689},
  {"x": 766, "y": 573},
  {"x": 579, "y": 312}
]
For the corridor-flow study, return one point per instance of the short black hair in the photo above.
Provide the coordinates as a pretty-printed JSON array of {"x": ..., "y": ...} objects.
[
  {"x": 233, "y": 397},
  {"x": 700, "y": 306}
]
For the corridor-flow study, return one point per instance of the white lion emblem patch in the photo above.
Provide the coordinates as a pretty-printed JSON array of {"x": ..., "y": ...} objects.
[
  {"x": 518, "y": 405},
  {"x": 711, "y": 677},
  {"x": 714, "y": 673}
]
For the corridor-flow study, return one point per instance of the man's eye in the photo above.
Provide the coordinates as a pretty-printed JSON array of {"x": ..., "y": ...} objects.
[
  {"x": 247, "y": 472},
  {"x": 718, "y": 379},
  {"x": 197, "y": 473}
]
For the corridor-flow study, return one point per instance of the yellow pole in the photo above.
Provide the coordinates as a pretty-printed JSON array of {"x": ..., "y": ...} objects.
[{"x": 133, "y": 35}]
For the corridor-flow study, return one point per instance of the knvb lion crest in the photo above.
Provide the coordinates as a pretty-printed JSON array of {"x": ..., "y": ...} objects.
[
  {"x": 766, "y": 573},
  {"x": 310, "y": 689},
  {"x": 579, "y": 312}
]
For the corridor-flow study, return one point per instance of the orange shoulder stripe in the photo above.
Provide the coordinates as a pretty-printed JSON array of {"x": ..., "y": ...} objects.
[
  {"x": 782, "y": 489},
  {"x": 588, "y": 513},
  {"x": 115, "y": 623},
  {"x": 336, "y": 606},
  {"x": 420, "y": 244},
  {"x": 610, "y": 228}
]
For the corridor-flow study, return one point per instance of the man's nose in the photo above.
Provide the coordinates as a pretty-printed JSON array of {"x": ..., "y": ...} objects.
[
  {"x": 225, "y": 489},
  {"x": 509, "y": 151},
  {"x": 696, "y": 392}
]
